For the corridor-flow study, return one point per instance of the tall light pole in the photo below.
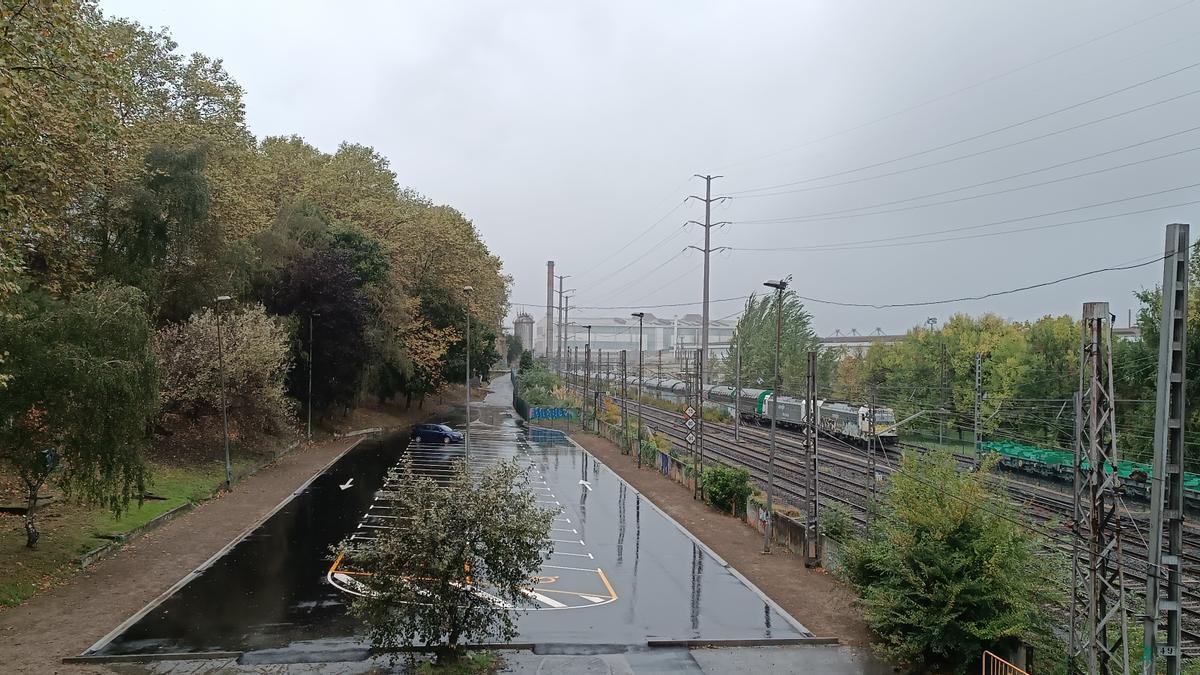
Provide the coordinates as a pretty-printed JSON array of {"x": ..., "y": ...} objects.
[
  {"x": 640, "y": 317},
  {"x": 587, "y": 371},
  {"x": 737, "y": 392},
  {"x": 224, "y": 405},
  {"x": 779, "y": 287},
  {"x": 311, "y": 358},
  {"x": 467, "y": 436}
]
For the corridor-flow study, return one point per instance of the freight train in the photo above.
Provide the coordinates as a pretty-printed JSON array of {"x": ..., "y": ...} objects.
[{"x": 842, "y": 419}]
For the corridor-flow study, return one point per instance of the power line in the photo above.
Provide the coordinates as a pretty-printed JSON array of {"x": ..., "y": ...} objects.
[
  {"x": 967, "y": 88},
  {"x": 978, "y": 136},
  {"x": 632, "y": 241},
  {"x": 977, "y": 153},
  {"x": 924, "y": 303},
  {"x": 985, "y": 295},
  {"x": 846, "y": 213},
  {"x": 888, "y": 242}
]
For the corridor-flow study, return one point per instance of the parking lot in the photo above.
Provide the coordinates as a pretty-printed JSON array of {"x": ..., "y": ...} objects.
[{"x": 619, "y": 573}]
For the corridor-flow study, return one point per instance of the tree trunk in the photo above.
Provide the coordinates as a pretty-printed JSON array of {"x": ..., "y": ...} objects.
[{"x": 31, "y": 532}]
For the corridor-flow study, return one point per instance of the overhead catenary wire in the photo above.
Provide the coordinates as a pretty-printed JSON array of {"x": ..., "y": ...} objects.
[
  {"x": 843, "y": 214},
  {"x": 996, "y": 148},
  {"x": 889, "y": 242},
  {"x": 1007, "y": 127},
  {"x": 917, "y": 106}
]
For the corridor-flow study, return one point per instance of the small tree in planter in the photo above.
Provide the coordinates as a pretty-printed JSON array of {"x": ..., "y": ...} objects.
[{"x": 457, "y": 564}]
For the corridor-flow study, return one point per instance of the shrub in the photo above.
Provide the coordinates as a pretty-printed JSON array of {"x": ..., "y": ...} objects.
[
  {"x": 727, "y": 488},
  {"x": 835, "y": 523},
  {"x": 948, "y": 570},
  {"x": 257, "y": 361}
]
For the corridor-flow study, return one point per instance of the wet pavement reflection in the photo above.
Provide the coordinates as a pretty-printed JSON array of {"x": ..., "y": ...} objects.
[{"x": 619, "y": 573}]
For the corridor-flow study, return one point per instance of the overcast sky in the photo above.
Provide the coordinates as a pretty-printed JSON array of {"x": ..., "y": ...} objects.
[{"x": 566, "y": 129}]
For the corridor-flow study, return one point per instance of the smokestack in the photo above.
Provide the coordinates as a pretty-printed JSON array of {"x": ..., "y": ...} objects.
[{"x": 549, "y": 308}]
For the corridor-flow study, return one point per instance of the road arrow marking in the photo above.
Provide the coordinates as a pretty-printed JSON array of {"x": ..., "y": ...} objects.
[{"x": 347, "y": 484}]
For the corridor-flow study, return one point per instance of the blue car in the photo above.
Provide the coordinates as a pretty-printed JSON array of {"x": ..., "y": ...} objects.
[{"x": 435, "y": 433}]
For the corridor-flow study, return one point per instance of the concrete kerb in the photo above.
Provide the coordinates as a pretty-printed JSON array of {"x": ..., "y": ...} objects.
[
  {"x": 721, "y": 561},
  {"x": 152, "y": 658},
  {"x": 359, "y": 432},
  {"x": 757, "y": 642},
  {"x": 137, "y": 616}
]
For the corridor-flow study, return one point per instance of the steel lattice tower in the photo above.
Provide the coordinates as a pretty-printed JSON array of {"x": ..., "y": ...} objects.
[
  {"x": 1098, "y": 619},
  {"x": 1164, "y": 579}
]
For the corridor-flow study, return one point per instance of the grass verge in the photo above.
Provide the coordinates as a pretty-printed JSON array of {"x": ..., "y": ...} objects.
[{"x": 69, "y": 530}]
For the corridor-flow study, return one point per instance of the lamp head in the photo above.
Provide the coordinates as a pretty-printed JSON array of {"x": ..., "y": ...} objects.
[
  {"x": 638, "y": 314},
  {"x": 777, "y": 285}
]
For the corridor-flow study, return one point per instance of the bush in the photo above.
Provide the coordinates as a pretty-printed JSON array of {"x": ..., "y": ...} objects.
[
  {"x": 835, "y": 523},
  {"x": 257, "y": 361},
  {"x": 948, "y": 571},
  {"x": 727, "y": 488}
]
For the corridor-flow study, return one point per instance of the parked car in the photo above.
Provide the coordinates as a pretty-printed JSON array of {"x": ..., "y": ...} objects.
[{"x": 435, "y": 433}]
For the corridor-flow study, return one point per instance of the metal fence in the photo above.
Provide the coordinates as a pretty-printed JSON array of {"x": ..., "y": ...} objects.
[{"x": 994, "y": 665}]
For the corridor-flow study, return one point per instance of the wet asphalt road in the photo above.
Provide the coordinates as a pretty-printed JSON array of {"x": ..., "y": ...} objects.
[{"x": 621, "y": 573}]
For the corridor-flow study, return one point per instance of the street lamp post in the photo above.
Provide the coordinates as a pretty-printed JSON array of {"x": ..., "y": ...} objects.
[
  {"x": 587, "y": 372},
  {"x": 640, "y": 317},
  {"x": 311, "y": 357},
  {"x": 737, "y": 392},
  {"x": 467, "y": 436},
  {"x": 779, "y": 287},
  {"x": 224, "y": 405}
]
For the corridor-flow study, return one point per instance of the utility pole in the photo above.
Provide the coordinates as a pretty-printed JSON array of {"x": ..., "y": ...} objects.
[
  {"x": 587, "y": 375},
  {"x": 872, "y": 484},
  {"x": 1099, "y": 580},
  {"x": 813, "y": 537},
  {"x": 1166, "y": 492},
  {"x": 737, "y": 392},
  {"x": 467, "y": 435},
  {"x": 700, "y": 420},
  {"x": 624, "y": 402},
  {"x": 932, "y": 323},
  {"x": 640, "y": 317},
  {"x": 978, "y": 399},
  {"x": 224, "y": 405},
  {"x": 779, "y": 287},
  {"x": 707, "y": 225},
  {"x": 566, "y": 322},
  {"x": 559, "y": 342}
]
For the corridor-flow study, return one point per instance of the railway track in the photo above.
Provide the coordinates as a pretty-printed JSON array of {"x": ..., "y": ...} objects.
[{"x": 843, "y": 481}]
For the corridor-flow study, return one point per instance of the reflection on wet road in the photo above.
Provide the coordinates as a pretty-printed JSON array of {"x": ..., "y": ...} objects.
[{"x": 624, "y": 572}]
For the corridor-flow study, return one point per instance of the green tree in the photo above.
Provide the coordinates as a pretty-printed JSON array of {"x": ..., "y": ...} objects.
[
  {"x": 515, "y": 349},
  {"x": 462, "y": 554},
  {"x": 257, "y": 360},
  {"x": 754, "y": 337},
  {"x": 83, "y": 393},
  {"x": 526, "y": 361},
  {"x": 949, "y": 570}
]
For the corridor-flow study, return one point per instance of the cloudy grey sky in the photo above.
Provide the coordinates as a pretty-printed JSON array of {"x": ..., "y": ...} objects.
[{"x": 565, "y": 130}]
